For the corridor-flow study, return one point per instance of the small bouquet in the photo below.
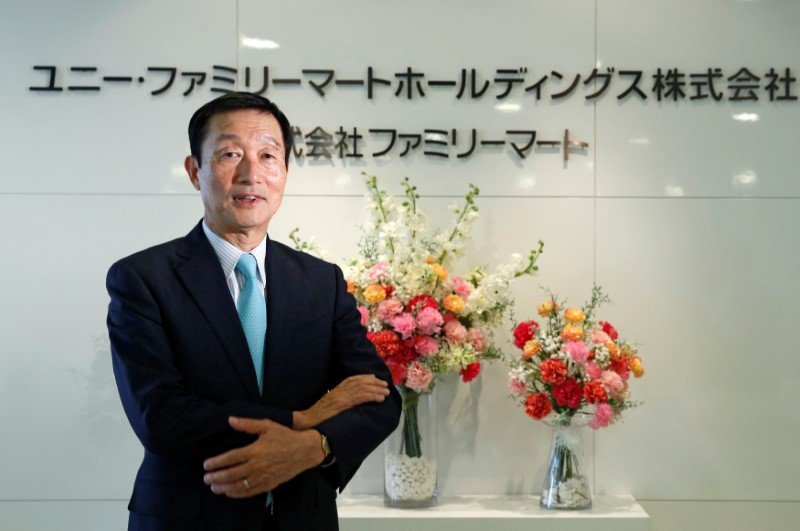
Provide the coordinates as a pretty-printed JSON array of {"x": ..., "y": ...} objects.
[{"x": 572, "y": 363}]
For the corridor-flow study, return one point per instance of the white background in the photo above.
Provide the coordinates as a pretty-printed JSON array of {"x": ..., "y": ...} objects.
[{"x": 686, "y": 212}]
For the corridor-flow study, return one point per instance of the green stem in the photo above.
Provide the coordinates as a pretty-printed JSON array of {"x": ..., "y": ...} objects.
[
  {"x": 411, "y": 437},
  {"x": 372, "y": 186}
]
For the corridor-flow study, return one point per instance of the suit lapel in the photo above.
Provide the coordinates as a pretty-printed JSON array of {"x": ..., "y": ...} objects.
[
  {"x": 284, "y": 286},
  {"x": 204, "y": 279}
]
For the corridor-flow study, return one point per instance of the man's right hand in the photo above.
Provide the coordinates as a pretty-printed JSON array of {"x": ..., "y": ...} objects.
[{"x": 351, "y": 392}]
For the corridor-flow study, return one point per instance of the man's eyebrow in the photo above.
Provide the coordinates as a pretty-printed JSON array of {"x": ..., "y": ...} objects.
[
  {"x": 270, "y": 139},
  {"x": 227, "y": 136}
]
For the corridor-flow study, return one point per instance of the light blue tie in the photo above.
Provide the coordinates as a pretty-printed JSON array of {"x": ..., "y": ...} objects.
[{"x": 253, "y": 313}]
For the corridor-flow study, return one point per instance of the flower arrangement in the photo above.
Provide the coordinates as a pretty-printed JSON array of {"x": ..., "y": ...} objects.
[
  {"x": 424, "y": 322},
  {"x": 574, "y": 362}
]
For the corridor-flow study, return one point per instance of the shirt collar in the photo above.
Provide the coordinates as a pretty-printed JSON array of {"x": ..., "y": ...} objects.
[{"x": 228, "y": 254}]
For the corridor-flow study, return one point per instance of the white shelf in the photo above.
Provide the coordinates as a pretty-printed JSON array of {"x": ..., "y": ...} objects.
[{"x": 500, "y": 513}]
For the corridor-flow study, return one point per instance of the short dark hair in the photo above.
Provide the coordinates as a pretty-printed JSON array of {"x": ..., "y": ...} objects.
[{"x": 234, "y": 101}]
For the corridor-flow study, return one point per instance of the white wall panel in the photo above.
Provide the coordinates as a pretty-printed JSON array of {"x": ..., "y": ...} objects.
[
  {"x": 697, "y": 148},
  {"x": 707, "y": 287}
]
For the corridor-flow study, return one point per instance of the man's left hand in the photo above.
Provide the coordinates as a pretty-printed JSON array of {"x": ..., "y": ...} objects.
[{"x": 278, "y": 455}]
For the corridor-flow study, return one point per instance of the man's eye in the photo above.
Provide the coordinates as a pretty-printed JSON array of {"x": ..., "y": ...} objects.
[{"x": 229, "y": 155}]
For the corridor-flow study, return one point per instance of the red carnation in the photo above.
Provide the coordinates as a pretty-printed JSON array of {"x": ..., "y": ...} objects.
[
  {"x": 538, "y": 406},
  {"x": 608, "y": 329},
  {"x": 620, "y": 367},
  {"x": 420, "y": 302},
  {"x": 594, "y": 392},
  {"x": 389, "y": 289},
  {"x": 554, "y": 371},
  {"x": 524, "y": 332},
  {"x": 406, "y": 352},
  {"x": 398, "y": 371},
  {"x": 387, "y": 343},
  {"x": 470, "y": 372},
  {"x": 569, "y": 393}
]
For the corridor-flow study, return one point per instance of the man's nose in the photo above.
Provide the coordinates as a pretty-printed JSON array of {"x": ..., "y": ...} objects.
[{"x": 248, "y": 169}]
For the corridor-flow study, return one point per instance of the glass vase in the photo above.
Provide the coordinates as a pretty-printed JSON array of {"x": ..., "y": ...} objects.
[
  {"x": 566, "y": 484},
  {"x": 409, "y": 470}
]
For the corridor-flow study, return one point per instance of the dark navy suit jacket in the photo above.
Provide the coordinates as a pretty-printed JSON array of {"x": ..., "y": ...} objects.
[{"x": 183, "y": 367}]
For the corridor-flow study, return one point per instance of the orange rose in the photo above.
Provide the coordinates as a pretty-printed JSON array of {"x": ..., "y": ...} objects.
[
  {"x": 429, "y": 260},
  {"x": 571, "y": 333},
  {"x": 351, "y": 288},
  {"x": 440, "y": 271},
  {"x": 375, "y": 294},
  {"x": 453, "y": 303},
  {"x": 635, "y": 364},
  {"x": 531, "y": 349},
  {"x": 574, "y": 315},
  {"x": 613, "y": 349},
  {"x": 547, "y": 308}
]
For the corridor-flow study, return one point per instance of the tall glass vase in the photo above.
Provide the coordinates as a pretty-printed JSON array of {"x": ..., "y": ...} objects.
[
  {"x": 566, "y": 485},
  {"x": 410, "y": 453}
]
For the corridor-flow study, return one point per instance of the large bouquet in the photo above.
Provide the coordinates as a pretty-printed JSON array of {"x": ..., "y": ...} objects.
[
  {"x": 573, "y": 364},
  {"x": 424, "y": 322}
]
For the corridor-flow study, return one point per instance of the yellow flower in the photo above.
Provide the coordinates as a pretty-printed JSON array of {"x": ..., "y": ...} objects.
[
  {"x": 429, "y": 260},
  {"x": 574, "y": 315},
  {"x": 440, "y": 271},
  {"x": 547, "y": 308},
  {"x": 572, "y": 333},
  {"x": 635, "y": 363},
  {"x": 375, "y": 294},
  {"x": 453, "y": 303},
  {"x": 531, "y": 348},
  {"x": 613, "y": 349}
]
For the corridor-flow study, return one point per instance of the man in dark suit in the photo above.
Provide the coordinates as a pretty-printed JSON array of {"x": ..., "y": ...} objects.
[{"x": 249, "y": 421}]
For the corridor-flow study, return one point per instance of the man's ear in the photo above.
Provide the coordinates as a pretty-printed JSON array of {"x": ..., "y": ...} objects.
[{"x": 192, "y": 168}]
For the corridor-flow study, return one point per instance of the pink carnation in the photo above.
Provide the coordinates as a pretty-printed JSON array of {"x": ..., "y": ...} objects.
[
  {"x": 455, "y": 332},
  {"x": 461, "y": 287},
  {"x": 375, "y": 272},
  {"x": 426, "y": 346},
  {"x": 577, "y": 350},
  {"x": 613, "y": 382},
  {"x": 418, "y": 377},
  {"x": 364, "y": 315},
  {"x": 603, "y": 416},
  {"x": 388, "y": 309},
  {"x": 593, "y": 370},
  {"x": 599, "y": 337},
  {"x": 477, "y": 339},
  {"x": 403, "y": 324},
  {"x": 518, "y": 387},
  {"x": 429, "y": 321}
]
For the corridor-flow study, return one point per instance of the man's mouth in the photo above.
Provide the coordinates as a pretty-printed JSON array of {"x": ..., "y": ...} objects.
[{"x": 248, "y": 199}]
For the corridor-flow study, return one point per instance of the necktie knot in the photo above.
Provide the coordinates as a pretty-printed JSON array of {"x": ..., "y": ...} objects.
[{"x": 248, "y": 266}]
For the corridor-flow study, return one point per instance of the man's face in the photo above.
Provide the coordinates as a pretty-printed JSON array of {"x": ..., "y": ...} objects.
[{"x": 243, "y": 173}]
